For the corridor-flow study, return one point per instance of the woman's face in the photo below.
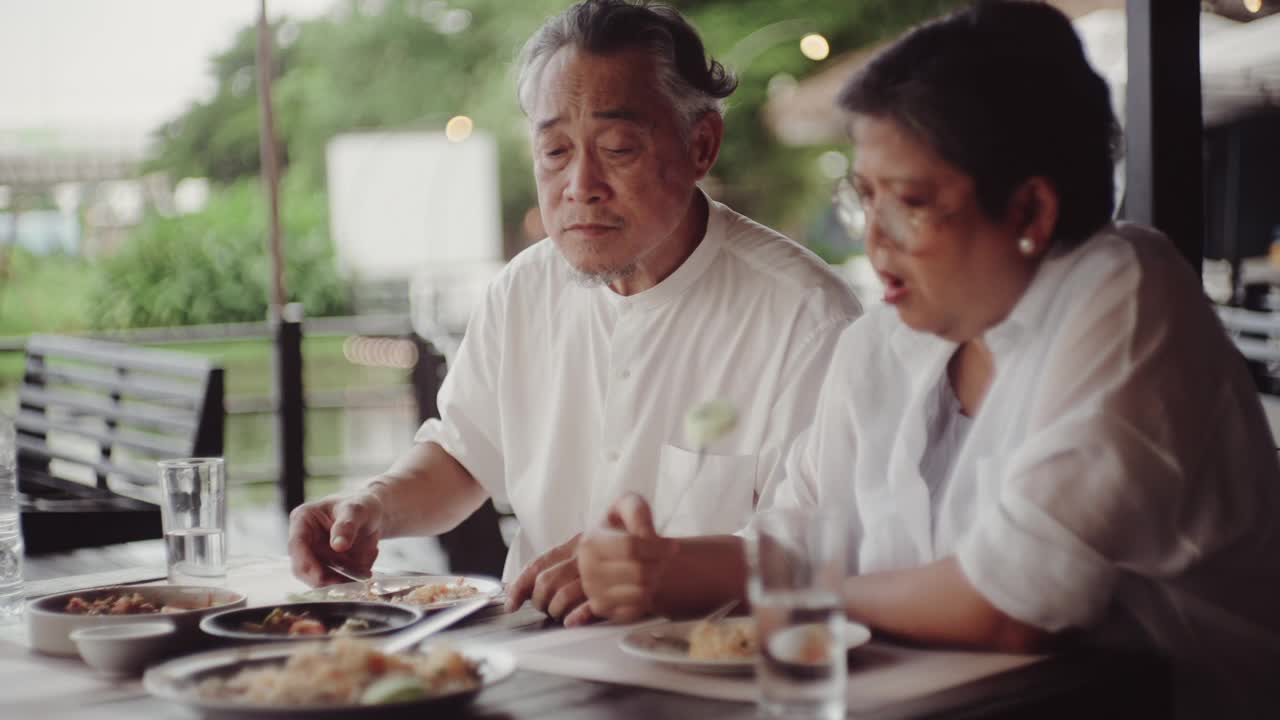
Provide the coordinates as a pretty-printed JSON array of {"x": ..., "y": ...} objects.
[{"x": 947, "y": 267}]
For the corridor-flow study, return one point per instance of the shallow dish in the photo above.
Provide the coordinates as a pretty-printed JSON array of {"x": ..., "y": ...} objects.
[
  {"x": 49, "y": 625},
  {"x": 178, "y": 679},
  {"x": 124, "y": 649},
  {"x": 381, "y": 617},
  {"x": 357, "y": 591},
  {"x": 667, "y": 643}
]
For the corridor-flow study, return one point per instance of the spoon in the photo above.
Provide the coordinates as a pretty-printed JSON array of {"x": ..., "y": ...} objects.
[{"x": 371, "y": 584}]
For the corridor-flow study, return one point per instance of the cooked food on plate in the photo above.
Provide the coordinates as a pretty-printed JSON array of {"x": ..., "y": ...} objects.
[
  {"x": 440, "y": 592},
  {"x": 120, "y": 604},
  {"x": 286, "y": 622},
  {"x": 732, "y": 639},
  {"x": 347, "y": 671},
  {"x": 428, "y": 594}
]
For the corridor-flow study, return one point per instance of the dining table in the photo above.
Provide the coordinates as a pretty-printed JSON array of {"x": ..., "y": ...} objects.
[{"x": 582, "y": 673}]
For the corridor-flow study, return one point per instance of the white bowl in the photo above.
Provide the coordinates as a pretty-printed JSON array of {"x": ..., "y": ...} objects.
[
  {"x": 49, "y": 626},
  {"x": 125, "y": 649}
]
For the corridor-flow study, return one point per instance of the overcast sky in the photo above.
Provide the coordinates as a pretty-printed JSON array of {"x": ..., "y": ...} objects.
[{"x": 115, "y": 66}]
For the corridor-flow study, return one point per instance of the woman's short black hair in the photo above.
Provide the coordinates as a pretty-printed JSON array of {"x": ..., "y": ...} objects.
[{"x": 1003, "y": 91}]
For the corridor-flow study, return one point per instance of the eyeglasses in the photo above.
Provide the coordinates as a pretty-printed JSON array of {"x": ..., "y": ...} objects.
[{"x": 907, "y": 229}]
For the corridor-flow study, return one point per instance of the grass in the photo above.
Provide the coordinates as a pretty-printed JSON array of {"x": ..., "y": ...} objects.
[
  {"x": 257, "y": 495},
  {"x": 50, "y": 295},
  {"x": 248, "y": 366}
]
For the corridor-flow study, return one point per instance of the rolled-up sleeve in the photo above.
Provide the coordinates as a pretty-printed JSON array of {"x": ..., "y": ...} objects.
[
  {"x": 1034, "y": 570},
  {"x": 469, "y": 427}
]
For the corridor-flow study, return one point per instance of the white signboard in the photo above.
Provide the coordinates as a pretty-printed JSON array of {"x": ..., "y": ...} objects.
[{"x": 405, "y": 202}]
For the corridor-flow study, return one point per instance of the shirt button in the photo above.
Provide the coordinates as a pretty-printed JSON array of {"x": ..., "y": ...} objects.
[
  {"x": 611, "y": 456},
  {"x": 624, "y": 374}
]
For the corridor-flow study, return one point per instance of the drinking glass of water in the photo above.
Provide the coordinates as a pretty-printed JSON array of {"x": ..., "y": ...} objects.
[
  {"x": 193, "y": 512},
  {"x": 11, "y": 595},
  {"x": 796, "y": 558}
]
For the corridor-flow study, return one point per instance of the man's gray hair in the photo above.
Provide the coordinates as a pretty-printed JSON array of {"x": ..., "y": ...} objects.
[{"x": 694, "y": 83}]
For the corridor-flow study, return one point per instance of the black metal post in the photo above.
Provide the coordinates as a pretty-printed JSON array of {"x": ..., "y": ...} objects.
[
  {"x": 290, "y": 407},
  {"x": 1163, "y": 125}
]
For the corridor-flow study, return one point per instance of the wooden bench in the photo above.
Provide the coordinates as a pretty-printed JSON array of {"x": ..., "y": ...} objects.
[{"x": 93, "y": 417}]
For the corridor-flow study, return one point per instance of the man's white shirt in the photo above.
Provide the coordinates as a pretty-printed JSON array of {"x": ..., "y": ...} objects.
[{"x": 564, "y": 397}]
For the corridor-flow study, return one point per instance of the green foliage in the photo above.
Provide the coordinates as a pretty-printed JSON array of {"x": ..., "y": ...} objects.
[
  {"x": 211, "y": 267},
  {"x": 218, "y": 138},
  {"x": 775, "y": 183}
]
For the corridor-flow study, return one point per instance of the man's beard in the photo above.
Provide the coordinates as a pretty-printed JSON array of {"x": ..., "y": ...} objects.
[{"x": 597, "y": 278}]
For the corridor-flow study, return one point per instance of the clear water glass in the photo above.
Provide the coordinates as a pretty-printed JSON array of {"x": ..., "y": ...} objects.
[
  {"x": 11, "y": 591},
  {"x": 797, "y": 566},
  {"x": 193, "y": 513}
]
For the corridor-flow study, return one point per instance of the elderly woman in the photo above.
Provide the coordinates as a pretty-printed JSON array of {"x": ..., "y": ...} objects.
[{"x": 1044, "y": 428}]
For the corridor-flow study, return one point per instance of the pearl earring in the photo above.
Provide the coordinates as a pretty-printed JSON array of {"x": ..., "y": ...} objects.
[{"x": 1027, "y": 246}]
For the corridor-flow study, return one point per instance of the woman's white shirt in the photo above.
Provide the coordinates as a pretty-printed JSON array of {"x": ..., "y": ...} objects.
[{"x": 1120, "y": 469}]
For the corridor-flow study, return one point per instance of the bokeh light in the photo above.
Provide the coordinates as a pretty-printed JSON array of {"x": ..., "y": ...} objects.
[
  {"x": 458, "y": 128},
  {"x": 815, "y": 47},
  {"x": 833, "y": 164}
]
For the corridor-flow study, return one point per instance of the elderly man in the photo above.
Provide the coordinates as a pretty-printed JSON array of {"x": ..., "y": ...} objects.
[{"x": 580, "y": 365}]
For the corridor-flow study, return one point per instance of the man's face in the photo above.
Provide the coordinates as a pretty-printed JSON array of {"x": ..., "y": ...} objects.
[{"x": 615, "y": 174}]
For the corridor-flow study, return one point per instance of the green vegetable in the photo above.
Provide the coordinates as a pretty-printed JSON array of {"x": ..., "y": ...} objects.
[
  {"x": 708, "y": 422},
  {"x": 393, "y": 689}
]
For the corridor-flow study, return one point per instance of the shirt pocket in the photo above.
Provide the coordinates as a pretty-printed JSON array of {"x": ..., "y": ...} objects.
[{"x": 716, "y": 498}]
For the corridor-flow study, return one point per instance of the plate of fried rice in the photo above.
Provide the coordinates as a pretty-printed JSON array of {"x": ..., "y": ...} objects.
[{"x": 345, "y": 677}]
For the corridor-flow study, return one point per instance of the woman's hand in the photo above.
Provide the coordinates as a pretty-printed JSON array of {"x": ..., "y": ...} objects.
[{"x": 622, "y": 564}]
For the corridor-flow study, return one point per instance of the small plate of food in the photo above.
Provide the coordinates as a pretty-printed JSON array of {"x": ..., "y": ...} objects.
[
  {"x": 425, "y": 592},
  {"x": 729, "y": 646},
  {"x": 358, "y": 680},
  {"x": 310, "y": 620},
  {"x": 51, "y": 619}
]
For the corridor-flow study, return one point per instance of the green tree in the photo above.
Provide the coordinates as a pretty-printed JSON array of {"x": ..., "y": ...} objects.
[{"x": 404, "y": 67}]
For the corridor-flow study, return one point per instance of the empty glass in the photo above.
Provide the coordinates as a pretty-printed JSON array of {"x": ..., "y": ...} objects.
[
  {"x": 11, "y": 595},
  {"x": 797, "y": 570},
  {"x": 193, "y": 512}
]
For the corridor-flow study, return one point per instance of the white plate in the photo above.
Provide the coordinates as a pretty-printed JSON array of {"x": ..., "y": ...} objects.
[
  {"x": 355, "y": 590},
  {"x": 647, "y": 642},
  {"x": 176, "y": 681},
  {"x": 49, "y": 626}
]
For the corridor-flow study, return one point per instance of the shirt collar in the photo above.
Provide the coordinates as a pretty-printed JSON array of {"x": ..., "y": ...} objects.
[
  {"x": 675, "y": 284},
  {"x": 927, "y": 352},
  {"x": 1030, "y": 311}
]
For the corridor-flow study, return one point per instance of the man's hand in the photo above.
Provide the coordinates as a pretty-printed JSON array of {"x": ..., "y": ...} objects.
[
  {"x": 340, "y": 529},
  {"x": 622, "y": 564},
  {"x": 552, "y": 583}
]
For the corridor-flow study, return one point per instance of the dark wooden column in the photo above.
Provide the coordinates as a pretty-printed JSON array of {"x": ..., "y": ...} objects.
[{"x": 1163, "y": 127}]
